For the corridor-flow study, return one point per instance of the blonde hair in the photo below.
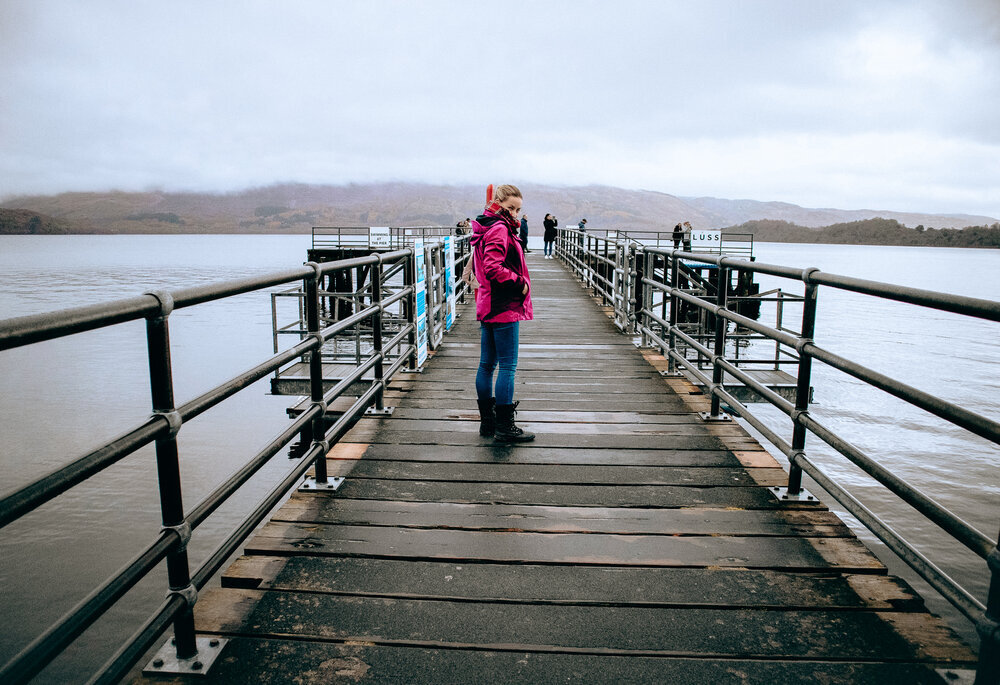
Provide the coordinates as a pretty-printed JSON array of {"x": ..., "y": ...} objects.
[{"x": 504, "y": 192}]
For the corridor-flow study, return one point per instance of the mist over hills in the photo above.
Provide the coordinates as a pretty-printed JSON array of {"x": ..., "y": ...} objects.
[{"x": 295, "y": 208}]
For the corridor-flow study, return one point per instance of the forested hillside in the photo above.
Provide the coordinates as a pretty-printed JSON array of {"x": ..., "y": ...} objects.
[{"x": 872, "y": 232}]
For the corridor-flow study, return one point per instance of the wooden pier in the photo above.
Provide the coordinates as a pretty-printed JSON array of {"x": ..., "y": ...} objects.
[{"x": 630, "y": 542}]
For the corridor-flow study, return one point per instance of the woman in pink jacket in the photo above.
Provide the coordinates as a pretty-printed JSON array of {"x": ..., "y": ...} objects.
[{"x": 503, "y": 299}]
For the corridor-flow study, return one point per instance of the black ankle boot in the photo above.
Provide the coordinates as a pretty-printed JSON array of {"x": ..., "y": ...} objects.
[
  {"x": 487, "y": 417},
  {"x": 506, "y": 431}
]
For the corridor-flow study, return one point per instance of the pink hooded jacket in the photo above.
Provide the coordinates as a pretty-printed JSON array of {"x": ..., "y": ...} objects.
[{"x": 500, "y": 268}]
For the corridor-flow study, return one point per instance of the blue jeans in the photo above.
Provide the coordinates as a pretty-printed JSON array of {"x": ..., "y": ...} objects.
[
  {"x": 497, "y": 344},
  {"x": 548, "y": 247}
]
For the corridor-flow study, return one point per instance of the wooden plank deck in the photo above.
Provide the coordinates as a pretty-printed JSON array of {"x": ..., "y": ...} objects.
[{"x": 630, "y": 542}]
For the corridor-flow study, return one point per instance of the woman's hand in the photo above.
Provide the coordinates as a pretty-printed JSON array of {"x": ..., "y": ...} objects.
[{"x": 524, "y": 290}]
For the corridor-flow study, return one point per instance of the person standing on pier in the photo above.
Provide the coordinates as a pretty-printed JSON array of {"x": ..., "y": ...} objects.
[
  {"x": 678, "y": 236},
  {"x": 550, "y": 234},
  {"x": 503, "y": 300},
  {"x": 524, "y": 233}
]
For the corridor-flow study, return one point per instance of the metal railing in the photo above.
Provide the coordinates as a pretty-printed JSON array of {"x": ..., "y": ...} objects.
[
  {"x": 167, "y": 418},
  {"x": 394, "y": 237},
  {"x": 345, "y": 295},
  {"x": 631, "y": 286}
]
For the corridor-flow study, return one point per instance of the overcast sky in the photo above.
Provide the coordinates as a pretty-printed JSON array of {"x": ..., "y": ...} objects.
[{"x": 840, "y": 103}]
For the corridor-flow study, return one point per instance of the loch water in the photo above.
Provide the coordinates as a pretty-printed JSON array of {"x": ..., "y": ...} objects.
[{"x": 61, "y": 398}]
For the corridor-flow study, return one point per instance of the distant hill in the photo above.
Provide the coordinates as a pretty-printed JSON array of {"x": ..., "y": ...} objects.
[
  {"x": 730, "y": 212},
  {"x": 295, "y": 208},
  {"x": 873, "y": 232},
  {"x": 25, "y": 222}
]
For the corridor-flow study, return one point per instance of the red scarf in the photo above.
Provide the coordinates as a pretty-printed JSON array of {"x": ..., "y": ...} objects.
[{"x": 495, "y": 209}]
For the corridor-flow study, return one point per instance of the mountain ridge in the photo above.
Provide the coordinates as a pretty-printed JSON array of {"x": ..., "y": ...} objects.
[{"x": 295, "y": 208}]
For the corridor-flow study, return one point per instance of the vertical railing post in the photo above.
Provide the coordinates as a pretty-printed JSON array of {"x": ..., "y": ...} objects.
[
  {"x": 988, "y": 627},
  {"x": 169, "y": 475},
  {"x": 359, "y": 303},
  {"x": 779, "y": 318},
  {"x": 316, "y": 368},
  {"x": 675, "y": 281},
  {"x": 721, "y": 327},
  {"x": 410, "y": 306},
  {"x": 632, "y": 285},
  {"x": 803, "y": 382},
  {"x": 618, "y": 289},
  {"x": 461, "y": 249},
  {"x": 648, "y": 260},
  {"x": 608, "y": 273},
  {"x": 377, "y": 333},
  {"x": 592, "y": 263},
  {"x": 663, "y": 308}
]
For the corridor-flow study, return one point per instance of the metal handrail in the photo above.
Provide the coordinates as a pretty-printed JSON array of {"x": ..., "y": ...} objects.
[
  {"x": 660, "y": 269},
  {"x": 168, "y": 418}
]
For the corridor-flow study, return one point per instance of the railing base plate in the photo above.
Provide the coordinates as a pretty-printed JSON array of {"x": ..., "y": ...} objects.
[
  {"x": 310, "y": 485},
  {"x": 802, "y": 495},
  {"x": 165, "y": 660},
  {"x": 958, "y": 676},
  {"x": 384, "y": 411},
  {"x": 721, "y": 418}
]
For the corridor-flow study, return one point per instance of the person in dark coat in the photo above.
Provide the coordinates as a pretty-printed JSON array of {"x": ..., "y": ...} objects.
[
  {"x": 549, "y": 237},
  {"x": 524, "y": 233}
]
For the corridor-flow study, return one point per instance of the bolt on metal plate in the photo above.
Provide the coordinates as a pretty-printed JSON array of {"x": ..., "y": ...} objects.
[
  {"x": 802, "y": 495},
  {"x": 958, "y": 676},
  {"x": 165, "y": 660},
  {"x": 310, "y": 485},
  {"x": 707, "y": 416},
  {"x": 384, "y": 411}
]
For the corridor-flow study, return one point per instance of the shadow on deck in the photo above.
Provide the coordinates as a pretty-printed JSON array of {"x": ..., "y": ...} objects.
[{"x": 630, "y": 541}]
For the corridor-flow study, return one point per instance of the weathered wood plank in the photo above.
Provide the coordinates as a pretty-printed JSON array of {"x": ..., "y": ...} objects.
[
  {"x": 471, "y": 413},
  {"x": 514, "y": 454},
  {"x": 553, "y": 402},
  {"x": 567, "y": 474},
  {"x": 564, "y": 495},
  {"x": 818, "y": 523},
  {"x": 375, "y": 427},
  {"x": 799, "y": 553},
  {"x": 625, "y": 585},
  {"x": 629, "y": 387},
  {"x": 279, "y": 662},
  {"x": 606, "y": 630},
  {"x": 550, "y": 439}
]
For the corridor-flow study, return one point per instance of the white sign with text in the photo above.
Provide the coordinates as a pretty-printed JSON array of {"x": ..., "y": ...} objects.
[
  {"x": 706, "y": 240},
  {"x": 379, "y": 237}
]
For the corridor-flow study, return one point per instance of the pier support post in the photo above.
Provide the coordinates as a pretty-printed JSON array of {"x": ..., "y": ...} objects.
[
  {"x": 311, "y": 286},
  {"x": 377, "y": 333},
  {"x": 168, "y": 473},
  {"x": 803, "y": 381},
  {"x": 988, "y": 669},
  {"x": 721, "y": 326},
  {"x": 630, "y": 285},
  {"x": 675, "y": 282},
  {"x": 646, "y": 297},
  {"x": 410, "y": 308}
]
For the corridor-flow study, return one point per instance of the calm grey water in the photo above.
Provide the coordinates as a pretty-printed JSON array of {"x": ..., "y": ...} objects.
[{"x": 60, "y": 398}]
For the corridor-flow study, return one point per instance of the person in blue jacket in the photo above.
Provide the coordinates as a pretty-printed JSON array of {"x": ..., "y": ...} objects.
[{"x": 524, "y": 233}]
